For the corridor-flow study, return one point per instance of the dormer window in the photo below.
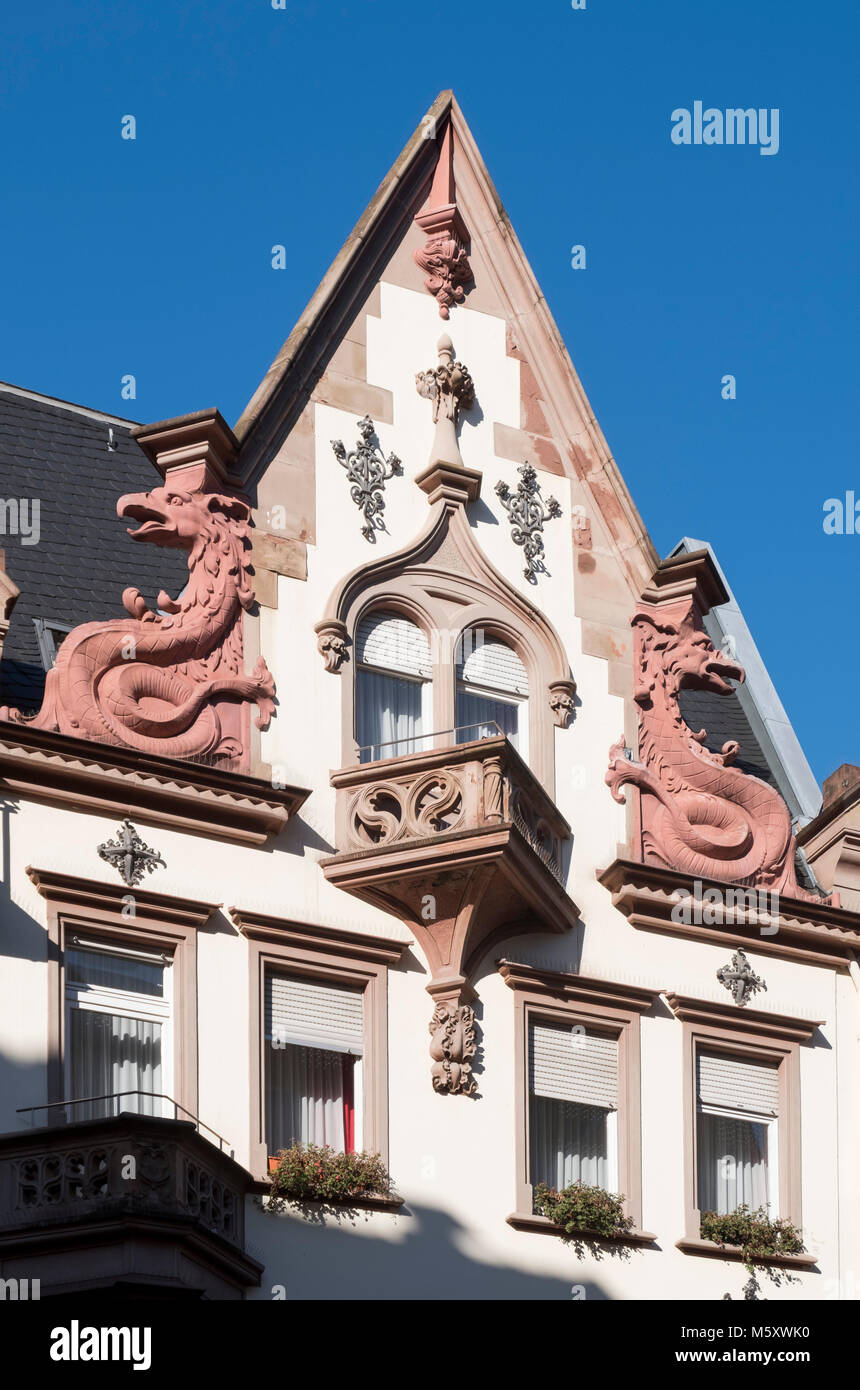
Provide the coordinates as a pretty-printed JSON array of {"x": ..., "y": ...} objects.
[
  {"x": 492, "y": 691},
  {"x": 394, "y": 689}
]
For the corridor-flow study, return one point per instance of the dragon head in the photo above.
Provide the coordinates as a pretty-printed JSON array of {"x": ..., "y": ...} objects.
[
  {"x": 181, "y": 520},
  {"x": 682, "y": 656}
]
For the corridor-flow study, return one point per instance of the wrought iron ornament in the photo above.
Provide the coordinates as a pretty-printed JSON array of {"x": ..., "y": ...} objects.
[
  {"x": 528, "y": 512},
  {"x": 368, "y": 470},
  {"x": 129, "y": 855},
  {"x": 740, "y": 978}
]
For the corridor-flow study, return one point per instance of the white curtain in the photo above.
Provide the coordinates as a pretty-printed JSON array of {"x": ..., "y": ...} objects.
[
  {"x": 109, "y": 1054},
  {"x": 389, "y": 715},
  {"x": 477, "y": 716},
  {"x": 304, "y": 1097},
  {"x": 732, "y": 1163},
  {"x": 569, "y": 1143}
]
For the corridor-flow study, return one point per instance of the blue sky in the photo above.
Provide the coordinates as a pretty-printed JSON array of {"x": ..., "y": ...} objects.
[{"x": 258, "y": 126}]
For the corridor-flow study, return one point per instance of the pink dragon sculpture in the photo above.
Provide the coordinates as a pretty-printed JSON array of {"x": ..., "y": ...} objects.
[
  {"x": 159, "y": 682},
  {"x": 699, "y": 814}
]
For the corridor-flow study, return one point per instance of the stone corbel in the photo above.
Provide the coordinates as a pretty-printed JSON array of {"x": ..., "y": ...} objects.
[
  {"x": 332, "y": 643},
  {"x": 443, "y": 257},
  {"x": 562, "y": 702}
]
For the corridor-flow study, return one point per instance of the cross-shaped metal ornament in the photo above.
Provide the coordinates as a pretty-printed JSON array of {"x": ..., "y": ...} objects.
[
  {"x": 129, "y": 855},
  {"x": 740, "y": 979},
  {"x": 528, "y": 512}
]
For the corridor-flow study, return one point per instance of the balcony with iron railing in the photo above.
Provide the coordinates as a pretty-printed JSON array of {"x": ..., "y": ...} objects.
[
  {"x": 457, "y": 837},
  {"x": 117, "y": 1190}
]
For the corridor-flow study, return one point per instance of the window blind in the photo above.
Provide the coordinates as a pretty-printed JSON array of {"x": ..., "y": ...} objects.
[
  {"x": 394, "y": 644},
  {"x": 312, "y": 1014},
  {"x": 734, "y": 1083},
  {"x": 574, "y": 1066},
  {"x": 491, "y": 664}
]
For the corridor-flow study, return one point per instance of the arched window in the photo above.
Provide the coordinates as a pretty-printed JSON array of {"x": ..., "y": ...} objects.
[
  {"x": 393, "y": 706},
  {"x": 492, "y": 691}
]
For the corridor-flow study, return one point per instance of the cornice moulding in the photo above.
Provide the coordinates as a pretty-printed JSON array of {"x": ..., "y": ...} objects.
[
  {"x": 159, "y": 791},
  {"x": 558, "y": 984},
  {"x": 646, "y": 894},
  {"x": 67, "y": 891},
  {"x": 785, "y": 1027},
  {"x": 263, "y": 926}
]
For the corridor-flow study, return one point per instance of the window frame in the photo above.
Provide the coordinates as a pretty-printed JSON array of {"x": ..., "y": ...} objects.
[
  {"x": 603, "y": 1006},
  {"x": 755, "y": 1047},
  {"x": 330, "y": 956},
  {"x": 159, "y": 922}
]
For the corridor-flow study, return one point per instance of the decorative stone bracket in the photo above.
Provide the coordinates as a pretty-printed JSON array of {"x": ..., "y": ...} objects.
[{"x": 443, "y": 256}]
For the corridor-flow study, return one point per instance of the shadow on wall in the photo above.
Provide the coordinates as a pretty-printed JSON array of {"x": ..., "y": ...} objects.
[
  {"x": 315, "y": 1255},
  {"x": 23, "y": 939}
]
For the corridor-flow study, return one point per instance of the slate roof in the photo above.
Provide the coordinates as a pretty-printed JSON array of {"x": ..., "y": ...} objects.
[
  {"x": 725, "y": 721},
  {"x": 83, "y": 560}
]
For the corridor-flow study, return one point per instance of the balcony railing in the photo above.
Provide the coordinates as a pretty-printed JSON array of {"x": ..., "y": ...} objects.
[
  {"x": 447, "y": 788},
  {"x": 76, "y": 1197},
  {"x": 61, "y": 1112}
]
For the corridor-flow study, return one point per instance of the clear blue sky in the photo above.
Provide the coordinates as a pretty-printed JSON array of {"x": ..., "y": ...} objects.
[{"x": 258, "y": 126}]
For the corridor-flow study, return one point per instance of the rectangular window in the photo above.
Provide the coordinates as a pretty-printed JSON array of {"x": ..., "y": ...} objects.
[
  {"x": 737, "y": 1101},
  {"x": 314, "y": 1036},
  {"x": 573, "y": 1104},
  {"x": 118, "y": 1031}
]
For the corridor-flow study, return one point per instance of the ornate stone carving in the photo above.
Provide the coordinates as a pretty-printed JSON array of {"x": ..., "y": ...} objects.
[
  {"x": 368, "y": 470},
  {"x": 451, "y": 389},
  {"x": 528, "y": 512},
  {"x": 699, "y": 814},
  {"x": 332, "y": 643},
  {"x": 452, "y": 1047},
  {"x": 158, "y": 682},
  {"x": 443, "y": 256},
  {"x": 740, "y": 979},
  {"x": 562, "y": 702},
  {"x": 129, "y": 855}
]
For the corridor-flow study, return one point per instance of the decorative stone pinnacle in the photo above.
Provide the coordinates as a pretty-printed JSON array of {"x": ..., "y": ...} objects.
[
  {"x": 129, "y": 855},
  {"x": 740, "y": 978},
  {"x": 451, "y": 389}
]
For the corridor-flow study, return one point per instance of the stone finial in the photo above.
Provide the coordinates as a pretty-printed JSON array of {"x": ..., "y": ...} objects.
[{"x": 451, "y": 389}]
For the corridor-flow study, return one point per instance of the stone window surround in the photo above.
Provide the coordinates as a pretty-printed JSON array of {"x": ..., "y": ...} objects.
[
  {"x": 160, "y": 922},
  {"x": 557, "y": 997},
  {"x": 755, "y": 1036},
  {"x": 330, "y": 956}
]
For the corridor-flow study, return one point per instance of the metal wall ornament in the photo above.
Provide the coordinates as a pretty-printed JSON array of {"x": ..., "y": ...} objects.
[
  {"x": 129, "y": 855},
  {"x": 368, "y": 470},
  {"x": 528, "y": 511},
  {"x": 740, "y": 979}
]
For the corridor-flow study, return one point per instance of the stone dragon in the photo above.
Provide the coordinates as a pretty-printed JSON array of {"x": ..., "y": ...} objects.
[
  {"x": 153, "y": 683},
  {"x": 699, "y": 814}
]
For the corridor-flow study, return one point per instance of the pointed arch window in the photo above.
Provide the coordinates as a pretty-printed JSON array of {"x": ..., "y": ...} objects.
[
  {"x": 393, "y": 711},
  {"x": 492, "y": 691}
]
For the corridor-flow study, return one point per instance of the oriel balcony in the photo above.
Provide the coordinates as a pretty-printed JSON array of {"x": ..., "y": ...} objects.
[
  {"x": 461, "y": 842},
  {"x": 136, "y": 1204}
]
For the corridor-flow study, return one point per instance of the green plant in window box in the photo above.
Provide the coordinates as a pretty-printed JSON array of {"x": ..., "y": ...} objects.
[
  {"x": 583, "y": 1210},
  {"x": 313, "y": 1173},
  {"x": 753, "y": 1232}
]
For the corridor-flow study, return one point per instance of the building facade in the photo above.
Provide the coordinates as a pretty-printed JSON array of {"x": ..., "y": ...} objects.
[{"x": 413, "y": 808}]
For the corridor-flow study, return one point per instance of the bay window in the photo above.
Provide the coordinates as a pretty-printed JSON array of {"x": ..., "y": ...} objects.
[
  {"x": 314, "y": 1035},
  {"x": 393, "y": 687}
]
